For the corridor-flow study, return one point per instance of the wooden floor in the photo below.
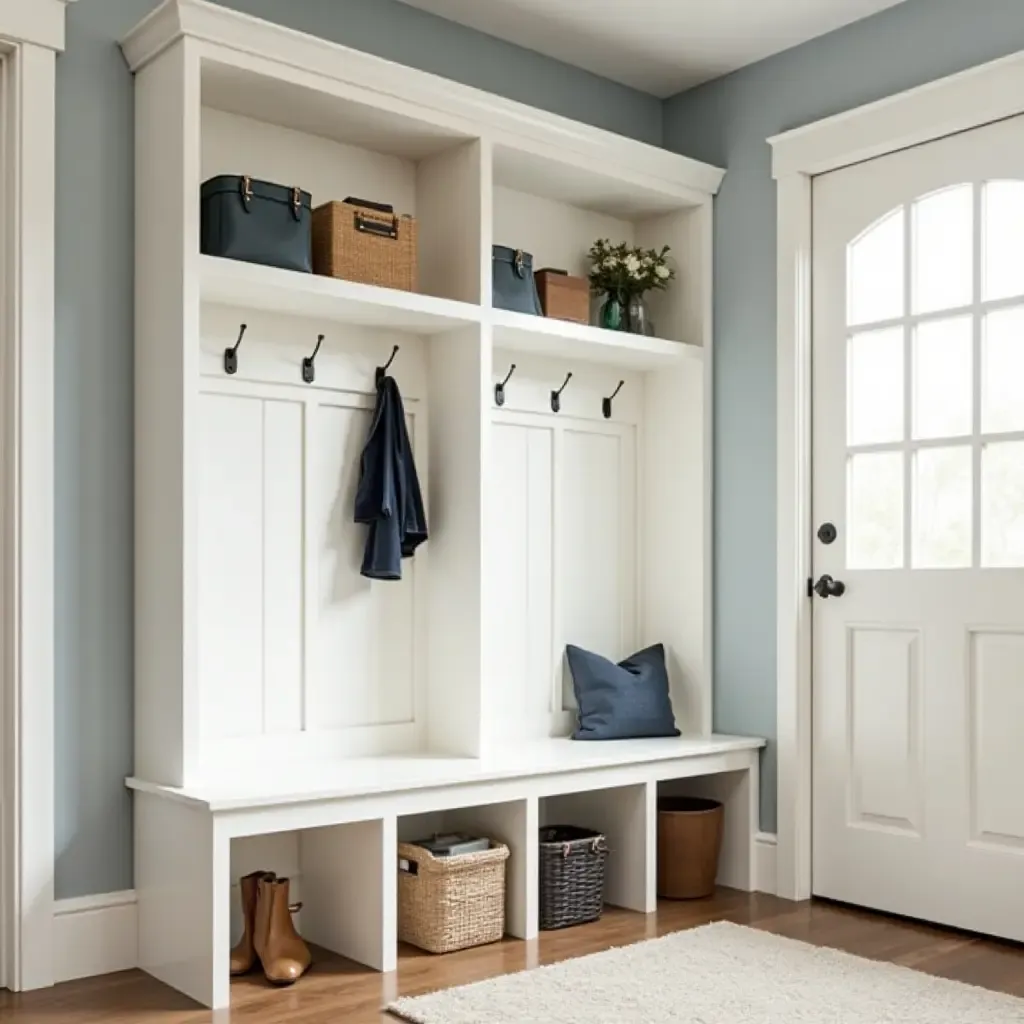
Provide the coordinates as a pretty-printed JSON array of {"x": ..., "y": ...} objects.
[{"x": 337, "y": 992}]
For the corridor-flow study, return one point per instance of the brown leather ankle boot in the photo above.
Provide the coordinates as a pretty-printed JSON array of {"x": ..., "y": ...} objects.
[
  {"x": 285, "y": 957},
  {"x": 243, "y": 956}
]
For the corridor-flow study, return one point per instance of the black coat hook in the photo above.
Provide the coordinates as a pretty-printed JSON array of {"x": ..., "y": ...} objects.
[
  {"x": 606, "y": 403},
  {"x": 499, "y": 389},
  {"x": 308, "y": 369},
  {"x": 556, "y": 396},
  {"x": 231, "y": 354},
  {"x": 381, "y": 370}
]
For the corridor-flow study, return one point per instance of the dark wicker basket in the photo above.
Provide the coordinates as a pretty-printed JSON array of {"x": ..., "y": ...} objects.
[{"x": 571, "y": 876}]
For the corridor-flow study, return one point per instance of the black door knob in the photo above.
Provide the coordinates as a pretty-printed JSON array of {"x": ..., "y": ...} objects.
[{"x": 828, "y": 587}]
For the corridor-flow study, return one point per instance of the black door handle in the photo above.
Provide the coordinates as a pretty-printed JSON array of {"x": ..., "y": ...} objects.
[{"x": 828, "y": 587}]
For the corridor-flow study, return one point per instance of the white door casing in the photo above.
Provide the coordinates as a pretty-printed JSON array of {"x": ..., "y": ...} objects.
[
  {"x": 918, "y": 460},
  {"x": 979, "y": 96},
  {"x": 30, "y": 37}
]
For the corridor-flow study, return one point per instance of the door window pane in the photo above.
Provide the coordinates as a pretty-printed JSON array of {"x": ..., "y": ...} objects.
[
  {"x": 1003, "y": 240},
  {"x": 1002, "y": 504},
  {"x": 1002, "y": 362},
  {"x": 875, "y": 513},
  {"x": 943, "y": 256},
  {"x": 875, "y": 387},
  {"x": 942, "y": 508},
  {"x": 942, "y": 378},
  {"x": 875, "y": 273}
]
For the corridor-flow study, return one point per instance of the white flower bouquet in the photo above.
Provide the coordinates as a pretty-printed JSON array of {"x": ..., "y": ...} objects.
[{"x": 628, "y": 270}]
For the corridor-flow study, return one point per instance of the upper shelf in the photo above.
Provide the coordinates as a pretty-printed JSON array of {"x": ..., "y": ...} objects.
[
  {"x": 270, "y": 290},
  {"x": 518, "y": 332},
  {"x": 250, "y": 286}
]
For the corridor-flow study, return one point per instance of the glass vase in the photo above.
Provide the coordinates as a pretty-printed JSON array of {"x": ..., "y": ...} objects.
[
  {"x": 637, "y": 319},
  {"x": 613, "y": 312}
]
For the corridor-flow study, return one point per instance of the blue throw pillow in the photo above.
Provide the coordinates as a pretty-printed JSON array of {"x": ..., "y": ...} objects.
[{"x": 625, "y": 701}]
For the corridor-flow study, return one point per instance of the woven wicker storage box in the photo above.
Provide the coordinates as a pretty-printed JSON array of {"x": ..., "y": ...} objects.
[
  {"x": 571, "y": 876},
  {"x": 365, "y": 243},
  {"x": 449, "y": 903}
]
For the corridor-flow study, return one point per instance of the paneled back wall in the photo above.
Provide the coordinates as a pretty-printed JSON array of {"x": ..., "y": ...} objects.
[
  {"x": 298, "y": 652},
  {"x": 564, "y": 546}
]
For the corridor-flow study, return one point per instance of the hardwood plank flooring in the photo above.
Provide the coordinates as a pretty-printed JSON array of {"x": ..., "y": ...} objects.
[{"x": 338, "y": 992}]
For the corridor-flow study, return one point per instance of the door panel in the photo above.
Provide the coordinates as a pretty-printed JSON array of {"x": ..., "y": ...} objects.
[{"x": 919, "y": 463}]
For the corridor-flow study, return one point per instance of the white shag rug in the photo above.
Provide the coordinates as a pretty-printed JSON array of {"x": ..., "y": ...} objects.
[{"x": 718, "y": 974}]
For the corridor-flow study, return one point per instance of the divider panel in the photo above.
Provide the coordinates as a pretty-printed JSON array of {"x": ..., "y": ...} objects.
[{"x": 349, "y": 883}]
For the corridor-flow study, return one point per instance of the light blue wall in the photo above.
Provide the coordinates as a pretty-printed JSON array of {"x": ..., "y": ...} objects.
[
  {"x": 94, "y": 363},
  {"x": 726, "y": 123}
]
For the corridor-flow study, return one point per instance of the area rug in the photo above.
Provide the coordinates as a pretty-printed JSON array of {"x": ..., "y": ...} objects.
[{"x": 718, "y": 974}]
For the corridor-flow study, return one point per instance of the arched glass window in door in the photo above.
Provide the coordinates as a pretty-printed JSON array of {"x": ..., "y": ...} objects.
[{"x": 935, "y": 383}]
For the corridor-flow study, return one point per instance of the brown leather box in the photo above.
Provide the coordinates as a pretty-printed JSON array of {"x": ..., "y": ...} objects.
[{"x": 562, "y": 296}]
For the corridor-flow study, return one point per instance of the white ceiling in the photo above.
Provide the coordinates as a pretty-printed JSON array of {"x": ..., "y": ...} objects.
[{"x": 659, "y": 46}]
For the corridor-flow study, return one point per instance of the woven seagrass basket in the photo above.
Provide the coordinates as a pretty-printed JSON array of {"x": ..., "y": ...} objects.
[
  {"x": 571, "y": 876},
  {"x": 365, "y": 244},
  {"x": 449, "y": 903}
]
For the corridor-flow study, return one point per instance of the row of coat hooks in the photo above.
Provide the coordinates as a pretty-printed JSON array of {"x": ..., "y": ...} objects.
[
  {"x": 308, "y": 362},
  {"x": 556, "y": 396},
  {"x": 309, "y": 374}
]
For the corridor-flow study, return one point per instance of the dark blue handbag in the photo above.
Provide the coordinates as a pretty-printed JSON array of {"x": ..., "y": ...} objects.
[
  {"x": 512, "y": 281},
  {"x": 242, "y": 218}
]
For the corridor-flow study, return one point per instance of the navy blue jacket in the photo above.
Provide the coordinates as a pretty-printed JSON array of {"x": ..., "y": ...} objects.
[{"x": 388, "y": 498}]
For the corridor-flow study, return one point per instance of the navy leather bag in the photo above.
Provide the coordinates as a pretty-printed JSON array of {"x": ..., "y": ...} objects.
[
  {"x": 256, "y": 221},
  {"x": 512, "y": 281}
]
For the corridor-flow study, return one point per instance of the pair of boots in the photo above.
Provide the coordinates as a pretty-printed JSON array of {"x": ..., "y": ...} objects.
[{"x": 269, "y": 935}]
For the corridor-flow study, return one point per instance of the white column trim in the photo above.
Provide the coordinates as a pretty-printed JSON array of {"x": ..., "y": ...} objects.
[
  {"x": 958, "y": 103},
  {"x": 30, "y": 36}
]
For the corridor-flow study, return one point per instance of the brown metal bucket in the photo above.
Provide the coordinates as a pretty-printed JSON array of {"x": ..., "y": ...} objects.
[{"x": 689, "y": 842}]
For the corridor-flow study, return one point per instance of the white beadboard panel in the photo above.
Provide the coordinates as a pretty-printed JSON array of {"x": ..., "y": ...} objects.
[
  {"x": 520, "y": 584},
  {"x": 283, "y": 566},
  {"x": 885, "y": 748},
  {"x": 996, "y": 699},
  {"x": 329, "y": 170},
  {"x": 556, "y": 234},
  {"x": 362, "y": 671},
  {"x": 230, "y": 583},
  {"x": 597, "y": 560}
]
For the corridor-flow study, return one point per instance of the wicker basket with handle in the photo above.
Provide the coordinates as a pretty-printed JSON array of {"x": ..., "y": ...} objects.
[
  {"x": 366, "y": 242},
  {"x": 449, "y": 903},
  {"x": 571, "y": 876}
]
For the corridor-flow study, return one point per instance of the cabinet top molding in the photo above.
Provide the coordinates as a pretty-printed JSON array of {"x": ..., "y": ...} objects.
[{"x": 229, "y": 38}]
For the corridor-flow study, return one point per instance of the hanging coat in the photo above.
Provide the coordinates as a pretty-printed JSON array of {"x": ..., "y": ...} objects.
[{"x": 388, "y": 497}]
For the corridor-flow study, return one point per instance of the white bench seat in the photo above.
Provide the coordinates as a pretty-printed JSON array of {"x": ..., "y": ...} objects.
[{"x": 348, "y": 816}]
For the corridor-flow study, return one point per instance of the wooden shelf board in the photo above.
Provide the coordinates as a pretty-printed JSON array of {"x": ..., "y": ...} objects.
[
  {"x": 271, "y": 290},
  {"x": 357, "y": 777},
  {"x": 519, "y": 332}
]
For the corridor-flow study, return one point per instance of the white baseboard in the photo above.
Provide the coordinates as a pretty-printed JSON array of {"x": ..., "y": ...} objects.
[
  {"x": 765, "y": 846},
  {"x": 94, "y": 935}
]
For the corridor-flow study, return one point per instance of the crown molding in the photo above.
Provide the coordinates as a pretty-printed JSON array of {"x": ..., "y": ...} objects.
[
  {"x": 223, "y": 31},
  {"x": 39, "y": 22}
]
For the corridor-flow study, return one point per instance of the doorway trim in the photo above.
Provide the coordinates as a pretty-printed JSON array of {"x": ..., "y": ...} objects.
[
  {"x": 961, "y": 102},
  {"x": 30, "y": 37}
]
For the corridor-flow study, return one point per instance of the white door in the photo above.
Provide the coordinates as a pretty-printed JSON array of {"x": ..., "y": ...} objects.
[{"x": 919, "y": 465}]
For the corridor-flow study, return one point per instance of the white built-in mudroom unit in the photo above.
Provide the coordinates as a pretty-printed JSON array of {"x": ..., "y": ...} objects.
[{"x": 295, "y": 716}]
